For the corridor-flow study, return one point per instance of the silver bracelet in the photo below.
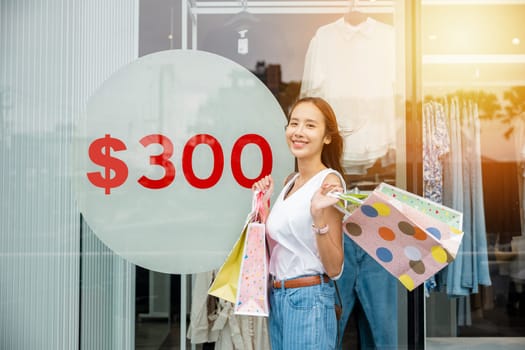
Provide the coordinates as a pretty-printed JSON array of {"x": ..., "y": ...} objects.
[{"x": 320, "y": 230}]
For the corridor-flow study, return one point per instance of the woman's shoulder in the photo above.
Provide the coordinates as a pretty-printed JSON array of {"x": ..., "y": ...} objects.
[{"x": 333, "y": 176}]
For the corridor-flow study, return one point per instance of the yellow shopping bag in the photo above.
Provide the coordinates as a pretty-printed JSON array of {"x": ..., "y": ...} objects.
[{"x": 226, "y": 282}]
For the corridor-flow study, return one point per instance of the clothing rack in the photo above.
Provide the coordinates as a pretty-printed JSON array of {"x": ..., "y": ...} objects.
[
  {"x": 192, "y": 9},
  {"x": 281, "y": 7}
]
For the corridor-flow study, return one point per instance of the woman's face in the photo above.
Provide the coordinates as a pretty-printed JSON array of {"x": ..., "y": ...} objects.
[{"x": 305, "y": 132}]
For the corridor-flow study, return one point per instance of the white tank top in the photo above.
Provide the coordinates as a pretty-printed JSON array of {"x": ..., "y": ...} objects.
[{"x": 289, "y": 224}]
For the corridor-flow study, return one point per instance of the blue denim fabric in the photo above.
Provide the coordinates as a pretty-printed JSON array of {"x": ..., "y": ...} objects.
[
  {"x": 303, "y": 318},
  {"x": 470, "y": 268},
  {"x": 465, "y": 274},
  {"x": 376, "y": 289},
  {"x": 459, "y": 272},
  {"x": 454, "y": 196},
  {"x": 481, "y": 263}
]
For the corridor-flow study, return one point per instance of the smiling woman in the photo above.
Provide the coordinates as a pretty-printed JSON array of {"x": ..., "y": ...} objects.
[{"x": 306, "y": 231}]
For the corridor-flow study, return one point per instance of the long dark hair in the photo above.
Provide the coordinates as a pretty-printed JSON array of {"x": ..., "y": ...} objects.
[{"x": 333, "y": 151}]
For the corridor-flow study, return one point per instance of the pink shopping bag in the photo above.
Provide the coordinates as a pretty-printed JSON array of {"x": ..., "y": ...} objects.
[
  {"x": 252, "y": 290},
  {"x": 408, "y": 243}
]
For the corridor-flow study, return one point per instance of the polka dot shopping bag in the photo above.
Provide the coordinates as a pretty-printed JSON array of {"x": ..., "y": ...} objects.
[{"x": 411, "y": 237}]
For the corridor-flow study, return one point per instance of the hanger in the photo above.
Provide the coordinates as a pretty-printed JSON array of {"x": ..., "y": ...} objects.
[
  {"x": 354, "y": 17},
  {"x": 242, "y": 19}
]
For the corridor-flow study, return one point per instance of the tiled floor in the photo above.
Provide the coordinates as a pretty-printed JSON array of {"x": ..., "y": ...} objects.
[
  {"x": 475, "y": 343},
  {"x": 150, "y": 335},
  {"x": 159, "y": 335}
]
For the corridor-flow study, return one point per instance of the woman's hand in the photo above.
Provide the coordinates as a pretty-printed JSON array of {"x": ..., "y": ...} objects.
[
  {"x": 321, "y": 200},
  {"x": 264, "y": 185}
]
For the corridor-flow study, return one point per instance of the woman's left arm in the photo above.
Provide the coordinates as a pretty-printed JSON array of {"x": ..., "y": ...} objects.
[{"x": 327, "y": 226}]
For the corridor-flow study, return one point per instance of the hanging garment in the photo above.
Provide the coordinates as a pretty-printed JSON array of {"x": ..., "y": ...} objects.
[
  {"x": 216, "y": 322},
  {"x": 464, "y": 192},
  {"x": 436, "y": 144},
  {"x": 519, "y": 142},
  {"x": 240, "y": 332},
  {"x": 481, "y": 269},
  {"x": 453, "y": 184},
  {"x": 201, "y": 315},
  {"x": 353, "y": 68},
  {"x": 460, "y": 281}
]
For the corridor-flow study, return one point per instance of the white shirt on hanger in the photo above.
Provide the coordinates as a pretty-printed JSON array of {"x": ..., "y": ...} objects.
[{"x": 353, "y": 68}]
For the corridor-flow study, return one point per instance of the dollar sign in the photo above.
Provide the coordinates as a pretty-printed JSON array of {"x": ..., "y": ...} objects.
[{"x": 99, "y": 153}]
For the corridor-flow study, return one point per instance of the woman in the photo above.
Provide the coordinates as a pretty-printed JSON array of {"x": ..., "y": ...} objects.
[{"x": 306, "y": 229}]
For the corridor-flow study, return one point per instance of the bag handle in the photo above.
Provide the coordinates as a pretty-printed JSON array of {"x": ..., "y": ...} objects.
[
  {"x": 258, "y": 210},
  {"x": 355, "y": 199}
]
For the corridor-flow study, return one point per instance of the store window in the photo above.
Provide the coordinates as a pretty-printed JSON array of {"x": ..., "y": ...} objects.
[
  {"x": 473, "y": 84},
  {"x": 350, "y": 52},
  {"x": 64, "y": 287}
]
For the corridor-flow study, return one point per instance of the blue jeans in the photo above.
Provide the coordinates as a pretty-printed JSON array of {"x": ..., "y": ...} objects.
[
  {"x": 376, "y": 289},
  {"x": 303, "y": 318}
]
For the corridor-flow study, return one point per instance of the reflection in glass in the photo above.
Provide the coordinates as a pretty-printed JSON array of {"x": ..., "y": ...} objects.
[{"x": 467, "y": 66}]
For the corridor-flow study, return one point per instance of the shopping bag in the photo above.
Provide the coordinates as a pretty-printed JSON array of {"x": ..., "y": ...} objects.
[
  {"x": 442, "y": 213},
  {"x": 409, "y": 241},
  {"x": 224, "y": 285},
  {"x": 252, "y": 291}
]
